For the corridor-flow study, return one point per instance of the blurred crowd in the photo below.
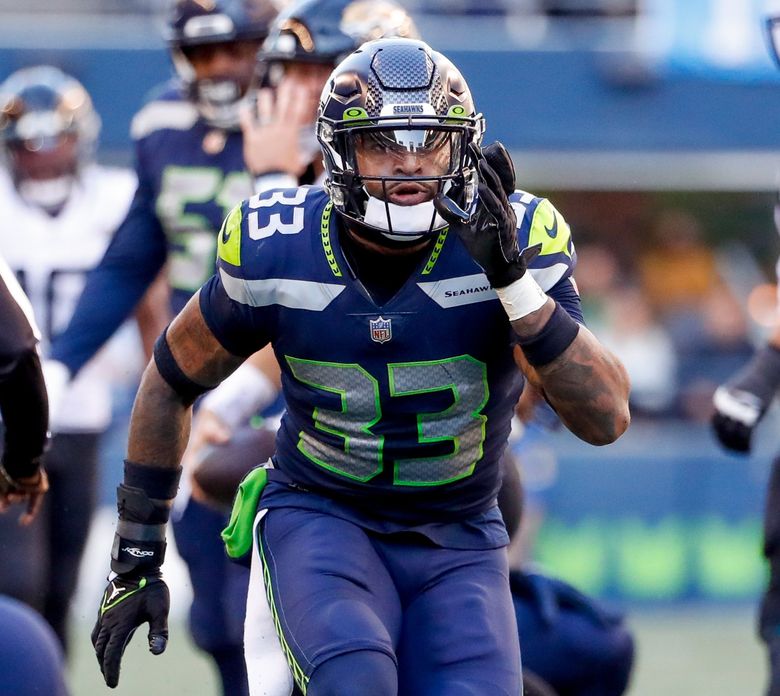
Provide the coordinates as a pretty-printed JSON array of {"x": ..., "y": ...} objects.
[{"x": 671, "y": 312}]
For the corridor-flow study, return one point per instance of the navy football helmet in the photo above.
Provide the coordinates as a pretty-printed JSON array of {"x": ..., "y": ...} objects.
[
  {"x": 325, "y": 31},
  {"x": 773, "y": 34},
  {"x": 48, "y": 131},
  {"x": 398, "y": 97},
  {"x": 194, "y": 24}
]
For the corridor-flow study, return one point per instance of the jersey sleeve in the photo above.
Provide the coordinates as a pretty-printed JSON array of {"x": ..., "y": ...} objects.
[
  {"x": 23, "y": 402},
  {"x": 113, "y": 288},
  {"x": 226, "y": 300},
  {"x": 538, "y": 222}
]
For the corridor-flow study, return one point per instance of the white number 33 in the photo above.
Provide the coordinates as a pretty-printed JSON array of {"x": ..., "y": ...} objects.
[{"x": 275, "y": 223}]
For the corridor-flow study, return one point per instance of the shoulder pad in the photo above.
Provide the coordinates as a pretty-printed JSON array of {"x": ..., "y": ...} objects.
[
  {"x": 162, "y": 114},
  {"x": 229, "y": 238},
  {"x": 272, "y": 213},
  {"x": 538, "y": 222}
]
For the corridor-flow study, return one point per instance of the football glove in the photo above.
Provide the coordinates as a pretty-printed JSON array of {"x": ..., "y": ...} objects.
[
  {"x": 127, "y": 603},
  {"x": 741, "y": 402},
  {"x": 490, "y": 232}
]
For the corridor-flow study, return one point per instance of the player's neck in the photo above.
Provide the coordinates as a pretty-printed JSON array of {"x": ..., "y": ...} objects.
[{"x": 381, "y": 271}]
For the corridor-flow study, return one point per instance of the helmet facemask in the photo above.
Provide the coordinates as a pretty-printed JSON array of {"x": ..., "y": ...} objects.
[
  {"x": 397, "y": 127},
  {"x": 217, "y": 97},
  {"x": 387, "y": 176},
  {"x": 236, "y": 27}
]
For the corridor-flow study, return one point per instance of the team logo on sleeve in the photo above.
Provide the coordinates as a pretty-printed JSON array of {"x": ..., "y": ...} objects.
[
  {"x": 381, "y": 329},
  {"x": 229, "y": 240}
]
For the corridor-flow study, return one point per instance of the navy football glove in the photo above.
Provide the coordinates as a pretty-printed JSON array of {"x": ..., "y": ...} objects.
[
  {"x": 490, "y": 232},
  {"x": 741, "y": 402},
  {"x": 127, "y": 603}
]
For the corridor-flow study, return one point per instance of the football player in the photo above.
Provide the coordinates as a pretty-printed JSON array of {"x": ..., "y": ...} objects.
[
  {"x": 60, "y": 211},
  {"x": 190, "y": 168},
  {"x": 30, "y": 657},
  {"x": 739, "y": 405},
  {"x": 404, "y": 315}
]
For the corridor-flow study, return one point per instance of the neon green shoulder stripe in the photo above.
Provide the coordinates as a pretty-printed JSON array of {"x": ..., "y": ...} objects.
[
  {"x": 229, "y": 240},
  {"x": 550, "y": 229},
  {"x": 325, "y": 235}
]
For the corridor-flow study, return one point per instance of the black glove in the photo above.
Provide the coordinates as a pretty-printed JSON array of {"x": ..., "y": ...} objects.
[
  {"x": 127, "y": 603},
  {"x": 743, "y": 400},
  {"x": 490, "y": 232}
]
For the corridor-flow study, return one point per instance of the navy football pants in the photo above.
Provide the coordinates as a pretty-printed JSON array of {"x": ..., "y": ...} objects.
[{"x": 443, "y": 617}]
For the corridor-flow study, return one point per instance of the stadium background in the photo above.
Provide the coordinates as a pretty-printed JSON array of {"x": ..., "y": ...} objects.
[{"x": 653, "y": 125}]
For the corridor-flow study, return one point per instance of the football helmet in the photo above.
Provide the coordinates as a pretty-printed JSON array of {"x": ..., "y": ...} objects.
[
  {"x": 773, "y": 35},
  {"x": 48, "y": 131},
  {"x": 401, "y": 101},
  {"x": 193, "y": 24},
  {"x": 325, "y": 31}
]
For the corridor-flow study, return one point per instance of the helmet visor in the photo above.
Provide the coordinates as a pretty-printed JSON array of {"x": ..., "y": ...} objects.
[{"x": 407, "y": 153}]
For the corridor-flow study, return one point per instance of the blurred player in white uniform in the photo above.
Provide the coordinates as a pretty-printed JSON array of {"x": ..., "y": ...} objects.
[{"x": 60, "y": 210}]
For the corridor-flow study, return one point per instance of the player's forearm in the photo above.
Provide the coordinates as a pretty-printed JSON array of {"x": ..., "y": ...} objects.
[
  {"x": 160, "y": 423},
  {"x": 25, "y": 415},
  {"x": 588, "y": 387}
]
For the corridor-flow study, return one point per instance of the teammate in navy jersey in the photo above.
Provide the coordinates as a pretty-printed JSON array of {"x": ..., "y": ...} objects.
[
  {"x": 190, "y": 167},
  {"x": 403, "y": 315}
]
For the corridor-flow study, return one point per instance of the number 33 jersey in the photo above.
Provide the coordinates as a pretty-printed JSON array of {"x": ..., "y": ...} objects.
[{"x": 402, "y": 408}]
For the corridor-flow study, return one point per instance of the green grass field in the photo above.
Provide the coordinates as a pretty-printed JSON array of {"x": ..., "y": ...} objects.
[{"x": 686, "y": 652}]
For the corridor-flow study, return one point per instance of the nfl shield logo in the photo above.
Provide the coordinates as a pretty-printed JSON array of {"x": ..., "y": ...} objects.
[{"x": 381, "y": 329}]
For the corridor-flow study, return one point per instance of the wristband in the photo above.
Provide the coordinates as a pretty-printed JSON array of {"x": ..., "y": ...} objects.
[
  {"x": 240, "y": 396},
  {"x": 521, "y": 297},
  {"x": 274, "y": 180},
  {"x": 555, "y": 337},
  {"x": 143, "y": 503}
]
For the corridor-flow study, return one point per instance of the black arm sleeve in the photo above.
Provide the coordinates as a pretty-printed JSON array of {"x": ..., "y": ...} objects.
[{"x": 23, "y": 401}]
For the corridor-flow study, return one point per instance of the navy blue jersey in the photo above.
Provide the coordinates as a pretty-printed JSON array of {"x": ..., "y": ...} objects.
[
  {"x": 189, "y": 177},
  {"x": 403, "y": 409}
]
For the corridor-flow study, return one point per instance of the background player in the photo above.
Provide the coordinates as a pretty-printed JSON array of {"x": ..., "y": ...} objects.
[
  {"x": 60, "y": 211},
  {"x": 740, "y": 404},
  {"x": 375, "y": 404},
  {"x": 190, "y": 168}
]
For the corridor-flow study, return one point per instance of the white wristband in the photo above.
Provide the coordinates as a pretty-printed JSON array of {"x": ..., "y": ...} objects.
[
  {"x": 240, "y": 396},
  {"x": 274, "y": 180},
  {"x": 521, "y": 297}
]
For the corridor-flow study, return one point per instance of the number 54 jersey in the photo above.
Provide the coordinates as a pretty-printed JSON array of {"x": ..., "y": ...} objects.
[{"x": 401, "y": 409}]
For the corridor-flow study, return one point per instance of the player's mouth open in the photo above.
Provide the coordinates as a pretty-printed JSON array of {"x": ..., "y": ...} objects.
[{"x": 410, "y": 194}]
